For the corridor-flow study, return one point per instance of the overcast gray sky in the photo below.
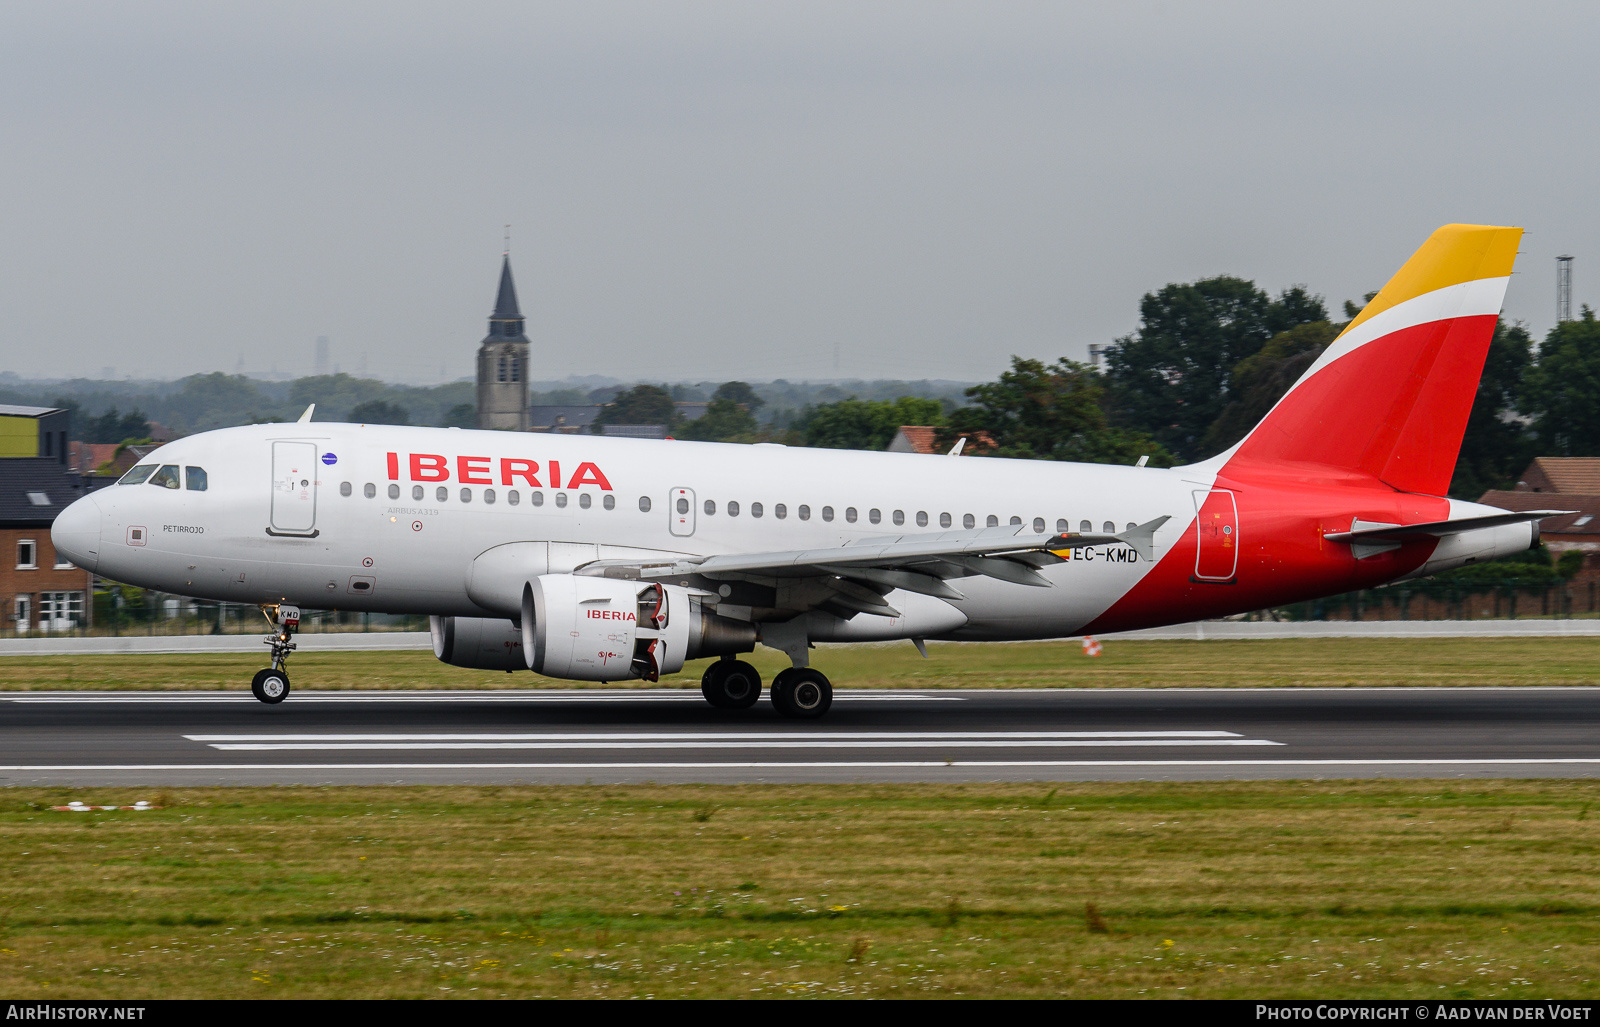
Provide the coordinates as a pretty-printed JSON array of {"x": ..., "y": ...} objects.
[{"x": 715, "y": 190}]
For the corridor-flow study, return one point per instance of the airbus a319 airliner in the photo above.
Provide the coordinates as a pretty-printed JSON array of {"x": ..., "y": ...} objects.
[{"x": 601, "y": 559}]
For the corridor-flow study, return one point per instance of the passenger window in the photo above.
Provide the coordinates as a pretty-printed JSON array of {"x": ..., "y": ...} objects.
[
  {"x": 513, "y": 497},
  {"x": 780, "y": 511},
  {"x": 1016, "y": 522},
  {"x": 644, "y": 504},
  {"x": 585, "y": 500},
  {"x": 683, "y": 505},
  {"x": 827, "y": 513},
  {"x": 755, "y": 510},
  {"x": 344, "y": 488},
  {"x": 610, "y": 502},
  {"x": 805, "y": 512},
  {"x": 195, "y": 478},
  {"x": 1131, "y": 526},
  {"x": 167, "y": 477},
  {"x": 1062, "y": 527},
  {"x": 561, "y": 500},
  {"x": 874, "y": 515},
  {"x": 370, "y": 490},
  {"x": 710, "y": 507},
  {"x": 944, "y": 520},
  {"x": 1110, "y": 527},
  {"x": 488, "y": 495},
  {"x": 1038, "y": 525},
  {"x": 394, "y": 492},
  {"x": 416, "y": 493},
  {"x": 991, "y": 521},
  {"x": 899, "y": 517},
  {"x": 442, "y": 494},
  {"x": 466, "y": 495},
  {"x": 1085, "y": 527},
  {"x": 968, "y": 521},
  {"x": 137, "y": 476},
  {"x": 922, "y": 518},
  {"x": 850, "y": 514},
  {"x": 536, "y": 498},
  {"x": 733, "y": 508}
]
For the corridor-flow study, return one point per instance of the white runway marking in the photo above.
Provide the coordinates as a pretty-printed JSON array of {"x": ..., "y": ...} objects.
[
  {"x": 776, "y": 740},
  {"x": 838, "y": 765},
  {"x": 719, "y": 736}
]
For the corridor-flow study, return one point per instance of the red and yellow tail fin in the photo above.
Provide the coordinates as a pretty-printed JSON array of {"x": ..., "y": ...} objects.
[{"x": 1390, "y": 397}]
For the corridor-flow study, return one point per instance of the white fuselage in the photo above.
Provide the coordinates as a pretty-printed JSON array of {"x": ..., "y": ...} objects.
[{"x": 264, "y": 531}]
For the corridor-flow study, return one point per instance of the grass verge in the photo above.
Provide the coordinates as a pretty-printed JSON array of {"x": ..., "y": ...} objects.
[
  {"x": 1264, "y": 663},
  {"x": 1331, "y": 889}
]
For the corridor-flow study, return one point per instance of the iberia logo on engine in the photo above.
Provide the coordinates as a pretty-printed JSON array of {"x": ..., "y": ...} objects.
[
  {"x": 481, "y": 470},
  {"x": 610, "y": 615}
]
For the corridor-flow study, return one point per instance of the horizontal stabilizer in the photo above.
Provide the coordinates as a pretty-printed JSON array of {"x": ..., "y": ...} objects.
[{"x": 1369, "y": 531}]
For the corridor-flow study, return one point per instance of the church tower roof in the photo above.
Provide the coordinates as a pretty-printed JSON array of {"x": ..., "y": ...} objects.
[{"x": 505, "y": 304}]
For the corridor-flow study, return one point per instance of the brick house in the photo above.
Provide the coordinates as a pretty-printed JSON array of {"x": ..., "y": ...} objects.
[{"x": 39, "y": 590}]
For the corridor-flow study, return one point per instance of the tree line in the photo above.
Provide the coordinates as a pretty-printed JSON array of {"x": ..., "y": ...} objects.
[{"x": 1208, "y": 360}]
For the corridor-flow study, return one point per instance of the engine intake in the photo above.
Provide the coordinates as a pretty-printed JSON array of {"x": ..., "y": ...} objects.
[
  {"x": 603, "y": 629},
  {"x": 478, "y": 643}
]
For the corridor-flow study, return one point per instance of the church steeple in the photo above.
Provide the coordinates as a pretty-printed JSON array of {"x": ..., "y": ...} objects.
[
  {"x": 506, "y": 321},
  {"x": 503, "y": 361}
]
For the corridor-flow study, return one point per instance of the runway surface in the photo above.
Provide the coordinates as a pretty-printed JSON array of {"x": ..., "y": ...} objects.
[{"x": 498, "y": 737}]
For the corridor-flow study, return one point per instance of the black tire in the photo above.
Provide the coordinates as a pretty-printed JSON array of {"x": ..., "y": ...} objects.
[
  {"x": 270, "y": 686},
  {"x": 731, "y": 685},
  {"x": 802, "y": 694}
]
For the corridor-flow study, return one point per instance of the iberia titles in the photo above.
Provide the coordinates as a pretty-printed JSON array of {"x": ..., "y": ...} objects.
[{"x": 483, "y": 470}]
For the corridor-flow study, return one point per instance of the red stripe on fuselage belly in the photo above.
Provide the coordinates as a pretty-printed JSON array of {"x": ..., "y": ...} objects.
[{"x": 1283, "y": 557}]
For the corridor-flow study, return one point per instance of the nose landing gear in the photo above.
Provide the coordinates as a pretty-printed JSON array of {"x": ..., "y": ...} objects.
[{"x": 272, "y": 685}]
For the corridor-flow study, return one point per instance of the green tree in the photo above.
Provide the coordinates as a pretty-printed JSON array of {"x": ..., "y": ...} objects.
[
  {"x": 1564, "y": 389},
  {"x": 642, "y": 404},
  {"x": 376, "y": 411},
  {"x": 462, "y": 415},
  {"x": 865, "y": 424},
  {"x": 739, "y": 393},
  {"x": 1173, "y": 377},
  {"x": 1260, "y": 380},
  {"x": 114, "y": 427},
  {"x": 1050, "y": 412},
  {"x": 723, "y": 421},
  {"x": 1497, "y": 444}
]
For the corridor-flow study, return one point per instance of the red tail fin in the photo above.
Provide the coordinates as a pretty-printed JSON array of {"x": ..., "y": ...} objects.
[{"x": 1390, "y": 397}]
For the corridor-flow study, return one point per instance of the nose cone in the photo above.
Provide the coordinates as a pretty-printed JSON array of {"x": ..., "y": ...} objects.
[{"x": 76, "y": 532}]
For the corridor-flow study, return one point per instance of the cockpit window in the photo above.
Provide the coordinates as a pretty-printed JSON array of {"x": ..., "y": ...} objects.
[
  {"x": 195, "y": 478},
  {"x": 167, "y": 477},
  {"x": 137, "y": 475}
]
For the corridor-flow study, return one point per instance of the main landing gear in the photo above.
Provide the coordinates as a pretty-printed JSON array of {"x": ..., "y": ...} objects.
[
  {"x": 272, "y": 685},
  {"x": 799, "y": 693}
]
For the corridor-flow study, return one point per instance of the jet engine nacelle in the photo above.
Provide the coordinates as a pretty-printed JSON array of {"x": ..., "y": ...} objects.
[
  {"x": 479, "y": 643},
  {"x": 606, "y": 629}
]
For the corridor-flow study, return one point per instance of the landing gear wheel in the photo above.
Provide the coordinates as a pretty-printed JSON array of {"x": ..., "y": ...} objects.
[
  {"x": 270, "y": 686},
  {"x": 731, "y": 685},
  {"x": 802, "y": 694}
]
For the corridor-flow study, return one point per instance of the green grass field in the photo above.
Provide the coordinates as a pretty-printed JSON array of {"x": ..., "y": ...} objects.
[
  {"x": 1347, "y": 889},
  {"x": 1330, "y": 662}
]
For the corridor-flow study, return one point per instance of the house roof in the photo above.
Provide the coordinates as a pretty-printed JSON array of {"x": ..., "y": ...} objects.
[
  {"x": 543, "y": 418},
  {"x": 1584, "y": 521},
  {"x": 1576, "y": 475},
  {"x": 34, "y": 489},
  {"x": 9, "y": 410},
  {"x": 923, "y": 438}
]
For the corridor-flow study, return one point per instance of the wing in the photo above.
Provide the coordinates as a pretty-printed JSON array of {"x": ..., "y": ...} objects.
[{"x": 855, "y": 577}]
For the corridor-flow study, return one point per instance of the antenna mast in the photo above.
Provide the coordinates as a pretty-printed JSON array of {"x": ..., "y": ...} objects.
[{"x": 1563, "y": 288}]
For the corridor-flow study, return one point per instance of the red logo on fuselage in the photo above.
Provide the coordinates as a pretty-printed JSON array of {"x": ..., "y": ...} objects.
[{"x": 483, "y": 470}]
